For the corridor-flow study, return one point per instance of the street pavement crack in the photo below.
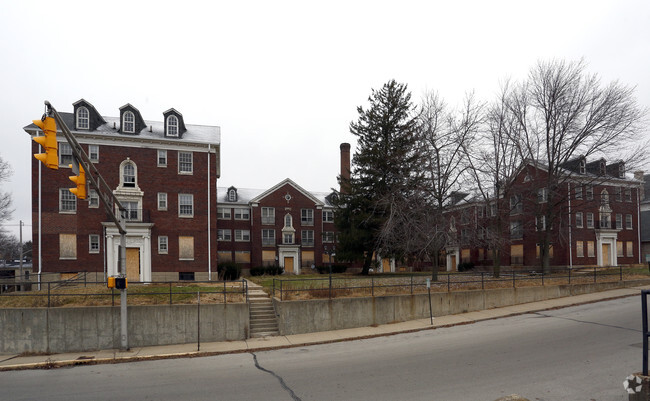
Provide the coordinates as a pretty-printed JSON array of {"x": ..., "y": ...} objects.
[
  {"x": 587, "y": 322},
  {"x": 282, "y": 383}
]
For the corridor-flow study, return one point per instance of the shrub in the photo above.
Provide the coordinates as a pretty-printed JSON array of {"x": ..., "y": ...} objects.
[
  {"x": 274, "y": 270},
  {"x": 463, "y": 267},
  {"x": 258, "y": 270},
  {"x": 228, "y": 271}
]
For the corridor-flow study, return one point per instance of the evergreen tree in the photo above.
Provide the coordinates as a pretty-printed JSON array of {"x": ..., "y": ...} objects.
[{"x": 384, "y": 167}]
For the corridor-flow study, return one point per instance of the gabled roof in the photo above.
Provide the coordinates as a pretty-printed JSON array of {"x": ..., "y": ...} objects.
[{"x": 287, "y": 181}]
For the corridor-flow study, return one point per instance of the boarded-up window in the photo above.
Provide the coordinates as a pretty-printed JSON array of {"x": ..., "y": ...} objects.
[
  {"x": 224, "y": 256},
  {"x": 619, "y": 248},
  {"x": 481, "y": 254},
  {"x": 307, "y": 258},
  {"x": 580, "y": 249},
  {"x": 268, "y": 258},
  {"x": 242, "y": 256},
  {"x": 517, "y": 254},
  {"x": 630, "y": 248},
  {"x": 67, "y": 246},
  {"x": 539, "y": 250},
  {"x": 590, "y": 249},
  {"x": 186, "y": 248},
  {"x": 464, "y": 256}
]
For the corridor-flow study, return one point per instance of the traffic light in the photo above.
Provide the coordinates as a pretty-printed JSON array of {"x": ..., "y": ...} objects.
[
  {"x": 79, "y": 179},
  {"x": 50, "y": 158}
]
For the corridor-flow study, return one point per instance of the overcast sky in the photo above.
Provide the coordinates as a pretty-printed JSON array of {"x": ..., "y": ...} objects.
[{"x": 283, "y": 79}]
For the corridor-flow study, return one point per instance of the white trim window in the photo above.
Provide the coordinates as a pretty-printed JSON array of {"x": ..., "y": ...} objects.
[
  {"x": 540, "y": 223},
  {"x": 328, "y": 237},
  {"x": 578, "y": 192},
  {"x": 268, "y": 215},
  {"x": 67, "y": 201},
  {"x": 162, "y": 158},
  {"x": 163, "y": 244},
  {"x": 224, "y": 213},
  {"x": 128, "y": 122},
  {"x": 232, "y": 195},
  {"x": 172, "y": 126},
  {"x": 224, "y": 235},
  {"x": 579, "y": 220},
  {"x": 542, "y": 195},
  {"x": 242, "y": 235},
  {"x": 242, "y": 214},
  {"x": 619, "y": 221},
  {"x": 129, "y": 175},
  {"x": 307, "y": 238},
  {"x": 328, "y": 216},
  {"x": 93, "y": 243},
  {"x": 185, "y": 163},
  {"x": 93, "y": 153},
  {"x": 83, "y": 118},
  {"x": 589, "y": 189},
  {"x": 268, "y": 237},
  {"x": 162, "y": 200},
  {"x": 65, "y": 155},
  {"x": 185, "y": 205},
  {"x": 628, "y": 195},
  {"x": 590, "y": 220},
  {"x": 93, "y": 199},
  {"x": 307, "y": 217},
  {"x": 628, "y": 221}
]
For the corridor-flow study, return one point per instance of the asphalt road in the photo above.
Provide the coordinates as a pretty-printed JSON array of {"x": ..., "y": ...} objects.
[{"x": 577, "y": 353}]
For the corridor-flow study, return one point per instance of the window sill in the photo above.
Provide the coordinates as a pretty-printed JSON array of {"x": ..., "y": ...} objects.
[
  {"x": 62, "y": 258},
  {"x": 67, "y": 212},
  {"x": 185, "y": 173},
  {"x": 185, "y": 217},
  {"x": 186, "y": 259},
  {"x": 162, "y": 252}
]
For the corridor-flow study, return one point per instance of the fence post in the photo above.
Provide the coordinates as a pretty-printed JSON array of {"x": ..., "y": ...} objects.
[
  {"x": 280, "y": 290},
  {"x": 112, "y": 297},
  {"x": 620, "y": 274},
  {"x": 330, "y": 283},
  {"x": 542, "y": 277},
  {"x": 411, "y": 284},
  {"x": 569, "y": 276},
  {"x": 594, "y": 274},
  {"x": 224, "y": 293},
  {"x": 482, "y": 282},
  {"x": 48, "y": 294},
  {"x": 85, "y": 278},
  {"x": 513, "y": 279},
  {"x": 448, "y": 282},
  {"x": 273, "y": 288},
  {"x": 372, "y": 286}
]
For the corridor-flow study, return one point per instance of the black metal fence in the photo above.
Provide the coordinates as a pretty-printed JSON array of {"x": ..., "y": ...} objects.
[
  {"x": 56, "y": 293},
  {"x": 380, "y": 284}
]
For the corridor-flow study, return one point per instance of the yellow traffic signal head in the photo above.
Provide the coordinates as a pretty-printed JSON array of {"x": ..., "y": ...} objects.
[
  {"x": 50, "y": 158},
  {"x": 80, "y": 180}
]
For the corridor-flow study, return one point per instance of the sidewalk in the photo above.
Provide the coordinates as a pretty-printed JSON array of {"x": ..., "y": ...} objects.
[{"x": 18, "y": 362}]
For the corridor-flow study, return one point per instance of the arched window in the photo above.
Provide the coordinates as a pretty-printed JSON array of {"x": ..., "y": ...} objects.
[
  {"x": 128, "y": 175},
  {"x": 604, "y": 197},
  {"x": 603, "y": 168},
  {"x": 128, "y": 123},
  {"x": 172, "y": 126},
  {"x": 288, "y": 221},
  {"x": 82, "y": 118},
  {"x": 232, "y": 195}
]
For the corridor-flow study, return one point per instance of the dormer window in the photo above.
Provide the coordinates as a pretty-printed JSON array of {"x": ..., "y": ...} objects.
[
  {"x": 232, "y": 195},
  {"x": 621, "y": 170},
  {"x": 583, "y": 166},
  {"x": 603, "y": 168},
  {"x": 128, "y": 122},
  {"x": 172, "y": 126},
  {"x": 83, "y": 118}
]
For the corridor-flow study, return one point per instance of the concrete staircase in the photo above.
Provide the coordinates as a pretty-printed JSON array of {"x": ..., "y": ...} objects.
[{"x": 263, "y": 320}]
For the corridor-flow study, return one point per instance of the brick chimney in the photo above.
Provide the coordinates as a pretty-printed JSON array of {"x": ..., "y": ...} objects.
[{"x": 345, "y": 166}]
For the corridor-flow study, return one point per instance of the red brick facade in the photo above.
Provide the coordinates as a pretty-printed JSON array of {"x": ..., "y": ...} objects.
[{"x": 149, "y": 221}]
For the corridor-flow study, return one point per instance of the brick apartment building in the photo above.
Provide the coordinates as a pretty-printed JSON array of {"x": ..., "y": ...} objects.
[
  {"x": 164, "y": 172},
  {"x": 597, "y": 224},
  {"x": 284, "y": 225}
]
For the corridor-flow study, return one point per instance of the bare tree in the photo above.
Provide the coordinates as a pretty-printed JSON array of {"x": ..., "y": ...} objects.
[
  {"x": 5, "y": 197},
  {"x": 560, "y": 112},
  {"x": 418, "y": 223}
]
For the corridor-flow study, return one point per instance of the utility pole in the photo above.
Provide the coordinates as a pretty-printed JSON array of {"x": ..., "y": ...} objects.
[
  {"x": 21, "y": 252},
  {"x": 110, "y": 203}
]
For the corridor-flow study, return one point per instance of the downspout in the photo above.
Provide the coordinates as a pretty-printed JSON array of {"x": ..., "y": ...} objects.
[
  {"x": 209, "y": 236},
  {"x": 105, "y": 256},
  {"x": 570, "y": 243}
]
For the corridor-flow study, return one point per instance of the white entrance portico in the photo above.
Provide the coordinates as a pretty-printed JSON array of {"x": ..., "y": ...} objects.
[{"x": 138, "y": 236}]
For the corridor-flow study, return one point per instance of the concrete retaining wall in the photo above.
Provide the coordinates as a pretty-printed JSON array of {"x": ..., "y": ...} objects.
[
  {"x": 306, "y": 316},
  {"x": 60, "y": 330}
]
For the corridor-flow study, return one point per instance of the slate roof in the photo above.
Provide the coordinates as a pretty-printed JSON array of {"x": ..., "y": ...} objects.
[{"x": 206, "y": 134}]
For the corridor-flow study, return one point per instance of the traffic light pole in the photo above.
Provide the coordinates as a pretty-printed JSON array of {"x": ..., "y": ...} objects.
[{"x": 110, "y": 203}]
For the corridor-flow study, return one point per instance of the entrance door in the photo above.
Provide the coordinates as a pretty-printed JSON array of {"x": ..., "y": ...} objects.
[
  {"x": 606, "y": 255},
  {"x": 453, "y": 262},
  {"x": 133, "y": 264},
  {"x": 288, "y": 264}
]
